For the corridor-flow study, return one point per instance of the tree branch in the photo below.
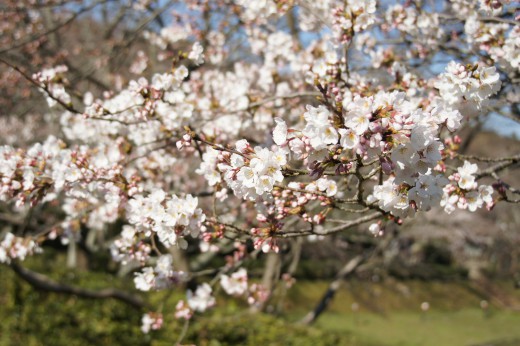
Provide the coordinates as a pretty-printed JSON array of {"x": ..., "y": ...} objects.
[
  {"x": 43, "y": 283},
  {"x": 346, "y": 225},
  {"x": 499, "y": 166}
]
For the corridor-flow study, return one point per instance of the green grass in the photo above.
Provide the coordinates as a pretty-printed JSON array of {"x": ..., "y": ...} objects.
[
  {"x": 389, "y": 314},
  {"x": 387, "y": 296},
  {"x": 463, "y": 327}
]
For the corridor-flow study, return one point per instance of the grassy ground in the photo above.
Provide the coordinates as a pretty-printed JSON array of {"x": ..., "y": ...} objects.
[
  {"x": 390, "y": 314},
  {"x": 387, "y": 314},
  {"x": 463, "y": 327}
]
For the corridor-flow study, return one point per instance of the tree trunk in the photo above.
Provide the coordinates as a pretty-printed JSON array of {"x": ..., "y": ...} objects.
[
  {"x": 348, "y": 269},
  {"x": 273, "y": 264},
  {"x": 179, "y": 259},
  {"x": 297, "y": 245}
]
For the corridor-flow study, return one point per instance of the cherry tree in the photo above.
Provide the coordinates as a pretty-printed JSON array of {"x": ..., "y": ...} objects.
[{"x": 236, "y": 128}]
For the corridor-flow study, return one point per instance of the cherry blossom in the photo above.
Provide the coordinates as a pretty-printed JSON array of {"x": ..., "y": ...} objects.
[
  {"x": 227, "y": 137},
  {"x": 201, "y": 299},
  {"x": 236, "y": 283}
]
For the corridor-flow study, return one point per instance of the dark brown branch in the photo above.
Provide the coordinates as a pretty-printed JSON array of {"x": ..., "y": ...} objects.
[{"x": 43, "y": 283}]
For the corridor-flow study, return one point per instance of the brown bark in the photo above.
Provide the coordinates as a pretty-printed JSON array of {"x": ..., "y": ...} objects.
[
  {"x": 272, "y": 268},
  {"x": 43, "y": 283}
]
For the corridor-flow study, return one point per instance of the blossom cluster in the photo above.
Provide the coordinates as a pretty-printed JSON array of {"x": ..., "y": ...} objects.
[
  {"x": 52, "y": 82},
  {"x": 257, "y": 10},
  {"x": 201, "y": 299},
  {"x": 468, "y": 87},
  {"x": 169, "y": 218},
  {"x": 129, "y": 248},
  {"x": 159, "y": 277},
  {"x": 249, "y": 172},
  {"x": 236, "y": 283},
  {"x": 13, "y": 247},
  {"x": 355, "y": 17},
  {"x": 423, "y": 27},
  {"x": 497, "y": 39},
  {"x": 28, "y": 175},
  {"x": 383, "y": 124},
  {"x": 463, "y": 192},
  {"x": 151, "y": 321},
  {"x": 295, "y": 199},
  {"x": 44, "y": 172}
]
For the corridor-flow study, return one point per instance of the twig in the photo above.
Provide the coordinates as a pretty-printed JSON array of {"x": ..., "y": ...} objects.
[
  {"x": 498, "y": 167},
  {"x": 183, "y": 332},
  {"x": 54, "y": 29},
  {"x": 346, "y": 225}
]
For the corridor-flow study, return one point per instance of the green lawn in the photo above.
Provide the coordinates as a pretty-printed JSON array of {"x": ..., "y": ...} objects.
[
  {"x": 463, "y": 327},
  {"x": 389, "y": 313}
]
